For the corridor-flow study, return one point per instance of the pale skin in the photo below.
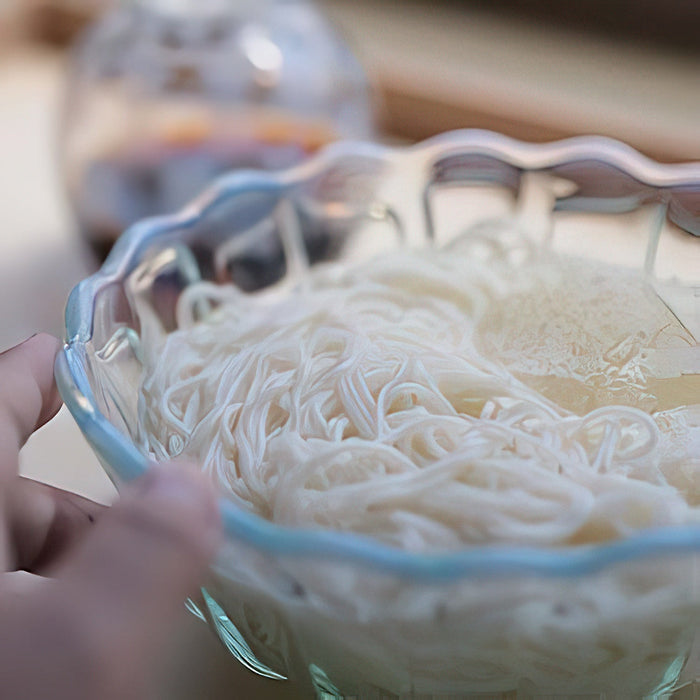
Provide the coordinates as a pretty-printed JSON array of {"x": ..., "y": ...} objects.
[{"x": 88, "y": 595}]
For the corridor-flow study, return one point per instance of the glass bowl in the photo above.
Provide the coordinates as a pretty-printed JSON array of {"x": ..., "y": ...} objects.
[{"x": 611, "y": 620}]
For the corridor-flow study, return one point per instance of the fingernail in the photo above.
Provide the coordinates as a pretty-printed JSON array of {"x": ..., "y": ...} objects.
[
  {"x": 178, "y": 488},
  {"x": 168, "y": 483},
  {"x": 20, "y": 344}
]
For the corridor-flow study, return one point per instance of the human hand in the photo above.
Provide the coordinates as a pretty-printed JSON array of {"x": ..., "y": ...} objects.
[{"x": 87, "y": 593}]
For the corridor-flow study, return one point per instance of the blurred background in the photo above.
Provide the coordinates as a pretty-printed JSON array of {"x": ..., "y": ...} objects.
[
  {"x": 161, "y": 96},
  {"x": 110, "y": 111}
]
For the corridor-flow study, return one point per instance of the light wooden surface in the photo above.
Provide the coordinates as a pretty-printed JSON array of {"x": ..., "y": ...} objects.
[{"x": 446, "y": 66}]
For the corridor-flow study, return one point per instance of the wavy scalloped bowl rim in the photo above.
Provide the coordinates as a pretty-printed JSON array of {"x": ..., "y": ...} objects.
[{"x": 491, "y": 560}]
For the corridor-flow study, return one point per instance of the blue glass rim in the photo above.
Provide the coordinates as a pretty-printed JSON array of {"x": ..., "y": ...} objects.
[{"x": 479, "y": 561}]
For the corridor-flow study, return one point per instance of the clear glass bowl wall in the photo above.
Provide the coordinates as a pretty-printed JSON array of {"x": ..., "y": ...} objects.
[{"x": 343, "y": 616}]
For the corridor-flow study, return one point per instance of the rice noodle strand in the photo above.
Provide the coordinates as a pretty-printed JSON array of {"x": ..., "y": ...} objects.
[{"x": 386, "y": 399}]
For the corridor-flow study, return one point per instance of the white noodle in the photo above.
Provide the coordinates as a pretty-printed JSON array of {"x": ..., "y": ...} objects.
[
  {"x": 392, "y": 399},
  {"x": 361, "y": 402}
]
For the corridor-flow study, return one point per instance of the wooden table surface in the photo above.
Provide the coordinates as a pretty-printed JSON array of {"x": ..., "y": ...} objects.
[{"x": 441, "y": 66}]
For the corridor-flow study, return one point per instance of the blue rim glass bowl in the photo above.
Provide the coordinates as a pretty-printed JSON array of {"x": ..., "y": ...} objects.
[{"x": 340, "y": 614}]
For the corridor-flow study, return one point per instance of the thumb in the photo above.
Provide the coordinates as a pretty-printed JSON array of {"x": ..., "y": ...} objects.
[
  {"x": 28, "y": 394},
  {"x": 132, "y": 573}
]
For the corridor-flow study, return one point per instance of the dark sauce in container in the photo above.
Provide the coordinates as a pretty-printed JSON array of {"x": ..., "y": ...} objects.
[{"x": 159, "y": 174}]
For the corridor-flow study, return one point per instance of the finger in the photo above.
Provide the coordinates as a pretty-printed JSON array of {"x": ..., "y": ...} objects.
[
  {"x": 150, "y": 551},
  {"x": 28, "y": 394},
  {"x": 45, "y": 523}
]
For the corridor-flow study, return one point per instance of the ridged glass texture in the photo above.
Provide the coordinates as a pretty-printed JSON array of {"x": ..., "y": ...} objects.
[{"x": 345, "y": 616}]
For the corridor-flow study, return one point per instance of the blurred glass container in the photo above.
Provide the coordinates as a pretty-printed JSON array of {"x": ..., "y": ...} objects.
[{"x": 165, "y": 95}]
